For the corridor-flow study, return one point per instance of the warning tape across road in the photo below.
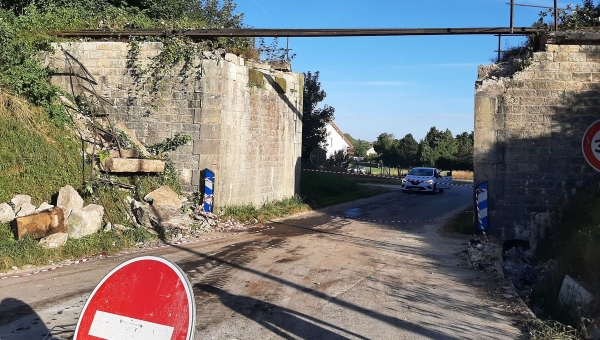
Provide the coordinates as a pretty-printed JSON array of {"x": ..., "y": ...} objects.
[
  {"x": 133, "y": 251},
  {"x": 373, "y": 176},
  {"x": 405, "y": 221}
]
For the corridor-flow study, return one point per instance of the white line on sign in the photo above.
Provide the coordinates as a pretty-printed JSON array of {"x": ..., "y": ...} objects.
[{"x": 117, "y": 327}]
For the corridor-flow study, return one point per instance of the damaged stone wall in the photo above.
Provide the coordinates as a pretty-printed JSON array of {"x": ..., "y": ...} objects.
[
  {"x": 529, "y": 127},
  {"x": 248, "y": 133}
]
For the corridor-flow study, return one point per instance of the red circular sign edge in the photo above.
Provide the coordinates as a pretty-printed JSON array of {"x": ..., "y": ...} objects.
[
  {"x": 178, "y": 271},
  {"x": 587, "y": 141}
]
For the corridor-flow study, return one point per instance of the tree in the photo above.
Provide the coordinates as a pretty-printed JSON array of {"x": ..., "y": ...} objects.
[
  {"x": 361, "y": 147},
  {"x": 464, "y": 151},
  {"x": 314, "y": 120},
  {"x": 386, "y": 147},
  {"x": 407, "y": 148},
  {"x": 438, "y": 149}
]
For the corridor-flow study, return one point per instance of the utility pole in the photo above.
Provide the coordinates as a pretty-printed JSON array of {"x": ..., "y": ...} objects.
[
  {"x": 512, "y": 15},
  {"x": 555, "y": 15}
]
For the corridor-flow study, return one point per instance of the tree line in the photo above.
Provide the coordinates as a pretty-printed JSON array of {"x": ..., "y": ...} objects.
[{"x": 438, "y": 149}]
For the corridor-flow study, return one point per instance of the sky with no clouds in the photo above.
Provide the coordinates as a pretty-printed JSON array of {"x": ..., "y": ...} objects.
[{"x": 396, "y": 85}]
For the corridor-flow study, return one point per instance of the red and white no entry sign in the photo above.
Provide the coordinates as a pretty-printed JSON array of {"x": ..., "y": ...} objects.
[
  {"x": 144, "y": 298},
  {"x": 591, "y": 145}
]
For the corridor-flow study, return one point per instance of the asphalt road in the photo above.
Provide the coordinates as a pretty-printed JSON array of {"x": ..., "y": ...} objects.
[{"x": 377, "y": 268}]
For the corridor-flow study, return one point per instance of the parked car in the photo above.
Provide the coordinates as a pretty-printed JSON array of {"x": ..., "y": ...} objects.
[
  {"x": 357, "y": 169},
  {"x": 424, "y": 179}
]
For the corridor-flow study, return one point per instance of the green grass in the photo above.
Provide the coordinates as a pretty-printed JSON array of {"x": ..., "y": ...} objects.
[
  {"x": 28, "y": 252},
  {"x": 461, "y": 223},
  {"x": 325, "y": 189},
  {"x": 318, "y": 190},
  {"x": 37, "y": 158},
  {"x": 247, "y": 213}
]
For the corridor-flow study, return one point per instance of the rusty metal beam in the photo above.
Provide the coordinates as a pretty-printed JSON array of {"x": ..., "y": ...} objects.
[{"x": 319, "y": 32}]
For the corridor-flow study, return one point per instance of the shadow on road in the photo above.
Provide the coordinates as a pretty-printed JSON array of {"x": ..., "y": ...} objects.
[
  {"x": 19, "y": 321},
  {"x": 395, "y": 322},
  {"x": 279, "y": 320}
]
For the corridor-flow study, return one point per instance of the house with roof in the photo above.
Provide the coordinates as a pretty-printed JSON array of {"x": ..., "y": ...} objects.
[{"x": 336, "y": 140}]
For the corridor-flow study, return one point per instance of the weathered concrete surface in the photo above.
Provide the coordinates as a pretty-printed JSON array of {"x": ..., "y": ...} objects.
[
  {"x": 249, "y": 135},
  {"x": 133, "y": 165},
  {"x": 41, "y": 224},
  {"x": 528, "y": 135}
]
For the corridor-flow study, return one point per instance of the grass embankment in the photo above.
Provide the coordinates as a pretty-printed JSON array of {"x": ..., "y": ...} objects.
[{"x": 37, "y": 158}]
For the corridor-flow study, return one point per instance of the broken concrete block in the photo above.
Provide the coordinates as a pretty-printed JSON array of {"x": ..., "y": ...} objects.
[
  {"x": 26, "y": 209},
  {"x": 133, "y": 165},
  {"x": 169, "y": 217},
  {"x": 85, "y": 221},
  {"x": 572, "y": 292},
  {"x": 69, "y": 199},
  {"x": 6, "y": 213},
  {"x": 164, "y": 196},
  {"x": 41, "y": 224},
  {"x": 54, "y": 240},
  {"x": 18, "y": 201},
  {"x": 44, "y": 206}
]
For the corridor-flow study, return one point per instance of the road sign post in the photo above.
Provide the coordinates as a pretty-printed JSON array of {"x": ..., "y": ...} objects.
[
  {"x": 590, "y": 145},
  {"x": 144, "y": 298}
]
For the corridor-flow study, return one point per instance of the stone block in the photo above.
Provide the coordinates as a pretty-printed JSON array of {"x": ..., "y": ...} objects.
[
  {"x": 69, "y": 199},
  {"x": 54, "y": 240},
  {"x": 26, "y": 209},
  {"x": 86, "y": 221},
  {"x": 133, "y": 165},
  {"x": 573, "y": 293},
  {"x": 206, "y": 147},
  {"x": 40, "y": 224},
  {"x": 164, "y": 196},
  {"x": 6, "y": 213},
  {"x": 18, "y": 200},
  {"x": 210, "y": 131}
]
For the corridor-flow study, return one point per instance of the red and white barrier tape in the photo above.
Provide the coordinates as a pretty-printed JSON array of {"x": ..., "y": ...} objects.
[
  {"x": 374, "y": 176},
  {"x": 133, "y": 251}
]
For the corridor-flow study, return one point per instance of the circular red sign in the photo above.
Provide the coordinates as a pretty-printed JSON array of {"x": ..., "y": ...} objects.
[
  {"x": 590, "y": 145},
  {"x": 144, "y": 298}
]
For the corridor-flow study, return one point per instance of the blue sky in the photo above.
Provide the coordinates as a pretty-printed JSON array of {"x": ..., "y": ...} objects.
[{"x": 396, "y": 85}]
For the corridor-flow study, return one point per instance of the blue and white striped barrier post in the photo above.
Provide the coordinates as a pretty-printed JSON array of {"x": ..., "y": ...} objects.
[
  {"x": 481, "y": 197},
  {"x": 208, "y": 196}
]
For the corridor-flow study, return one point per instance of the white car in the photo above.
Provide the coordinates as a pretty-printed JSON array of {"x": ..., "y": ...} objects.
[
  {"x": 426, "y": 180},
  {"x": 357, "y": 169}
]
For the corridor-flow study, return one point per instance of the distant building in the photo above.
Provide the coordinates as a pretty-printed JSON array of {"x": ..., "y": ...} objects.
[
  {"x": 336, "y": 141},
  {"x": 371, "y": 151}
]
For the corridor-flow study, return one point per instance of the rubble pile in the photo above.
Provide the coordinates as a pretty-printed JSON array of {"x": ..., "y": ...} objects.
[
  {"x": 52, "y": 225},
  {"x": 519, "y": 268},
  {"x": 481, "y": 255},
  {"x": 163, "y": 212}
]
